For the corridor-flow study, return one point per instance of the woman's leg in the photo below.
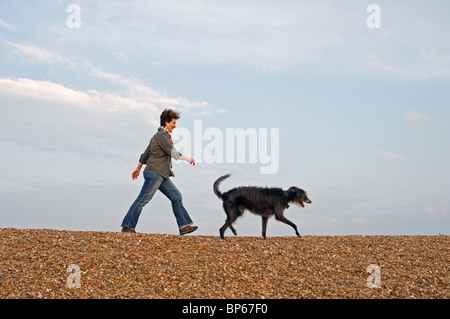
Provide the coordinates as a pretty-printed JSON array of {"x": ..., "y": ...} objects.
[
  {"x": 151, "y": 185},
  {"x": 172, "y": 193}
]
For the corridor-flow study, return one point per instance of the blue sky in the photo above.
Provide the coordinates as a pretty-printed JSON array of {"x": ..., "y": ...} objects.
[{"x": 363, "y": 114}]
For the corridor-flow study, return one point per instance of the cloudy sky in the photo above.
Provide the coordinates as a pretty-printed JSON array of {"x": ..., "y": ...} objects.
[{"x": 362, "y": 114}]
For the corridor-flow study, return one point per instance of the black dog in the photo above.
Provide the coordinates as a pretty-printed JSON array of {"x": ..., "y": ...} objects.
[{"x": 261, "y": 201}]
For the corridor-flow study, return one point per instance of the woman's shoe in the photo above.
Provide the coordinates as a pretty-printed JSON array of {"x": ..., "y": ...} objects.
[
  {"x": 127, "y": 230},
  {"x": 188, "y": 229}
]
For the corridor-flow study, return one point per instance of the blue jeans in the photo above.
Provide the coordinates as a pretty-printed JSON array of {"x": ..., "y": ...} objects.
[{"x": 152, "y": 183}]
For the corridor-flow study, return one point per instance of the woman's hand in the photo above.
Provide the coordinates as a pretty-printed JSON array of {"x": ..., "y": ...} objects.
[
  {"x": 192, "y": 161},
  {"x": 136, "y": 172}
]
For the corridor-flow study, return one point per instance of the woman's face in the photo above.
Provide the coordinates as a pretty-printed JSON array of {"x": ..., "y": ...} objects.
[{"x": 171, "y": 125}]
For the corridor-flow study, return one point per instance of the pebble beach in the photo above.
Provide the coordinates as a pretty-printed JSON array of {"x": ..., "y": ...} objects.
[{"x": 59, "y": 264}]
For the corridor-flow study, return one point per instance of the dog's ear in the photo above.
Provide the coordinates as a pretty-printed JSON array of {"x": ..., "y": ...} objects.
[{"x": 291, "y": 193}]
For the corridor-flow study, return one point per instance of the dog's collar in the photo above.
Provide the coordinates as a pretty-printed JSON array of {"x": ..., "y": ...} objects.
[{"x": 287, "y": 206}]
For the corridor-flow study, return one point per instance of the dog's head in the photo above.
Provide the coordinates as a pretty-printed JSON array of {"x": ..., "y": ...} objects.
[{"x": 297, "y": 196}]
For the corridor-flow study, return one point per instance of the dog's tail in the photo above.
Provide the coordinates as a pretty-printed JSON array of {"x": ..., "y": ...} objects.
[{"x": 216, "y": 185}]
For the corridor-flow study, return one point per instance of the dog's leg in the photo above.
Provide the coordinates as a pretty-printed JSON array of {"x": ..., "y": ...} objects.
[
  {"x": 287, "y": 221},
  {"x": 240, "y": 211},
  {"x": 264, "y": 226},
  {"x": 231, "y": 224},
  {"x": 232, "y": 214},
  {"x": 223, "y": 228}
]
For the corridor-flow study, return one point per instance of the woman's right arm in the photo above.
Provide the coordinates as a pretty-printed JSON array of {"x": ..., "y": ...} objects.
[{"x": 142, "y": 160}]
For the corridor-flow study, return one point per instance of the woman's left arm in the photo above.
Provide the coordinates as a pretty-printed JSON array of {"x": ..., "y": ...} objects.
[
  {"x": 168, "y": 148},
  {"x": 187, "y": 159}
]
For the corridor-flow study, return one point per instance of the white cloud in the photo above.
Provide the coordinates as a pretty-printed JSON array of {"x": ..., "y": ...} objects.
[
  {"x": 94, "y": 100},
  {"x": 272, "y": 36},
  {"x": 55, "y": 117},
  {"x": 435, "y": 210},
  {"x": 319, "y": 37},
  {"x": 7, "y": 26},
  {"x": 39, "y": 54},
  {"x": 137, "y": 95},
  {"x": 44, "y": 114},
  {"x": 417, "y": 117},
  {"x": 143, "y": 93},
  {"x": 393, "y": 156},
  {"x": 361, "y": 220},
  {"x": 51, "y": 117}
]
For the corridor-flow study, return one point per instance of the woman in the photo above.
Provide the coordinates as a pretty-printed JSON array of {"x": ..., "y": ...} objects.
[{"x": 158, "y": 158}]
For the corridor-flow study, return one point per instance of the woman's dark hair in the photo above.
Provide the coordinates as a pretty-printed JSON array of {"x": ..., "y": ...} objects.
[{"x": 167, "y": 116}]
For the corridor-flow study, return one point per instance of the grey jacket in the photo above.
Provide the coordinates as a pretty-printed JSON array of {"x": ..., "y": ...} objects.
[{"x": 158, "y": 155}]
